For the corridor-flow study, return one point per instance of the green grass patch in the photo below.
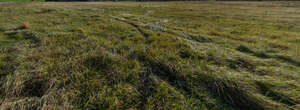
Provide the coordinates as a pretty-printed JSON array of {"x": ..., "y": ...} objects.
[{"x": 150, "y": 55}]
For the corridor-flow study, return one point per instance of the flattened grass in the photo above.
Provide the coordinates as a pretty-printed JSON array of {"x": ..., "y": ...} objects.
[{"x": 130, "y": 55}]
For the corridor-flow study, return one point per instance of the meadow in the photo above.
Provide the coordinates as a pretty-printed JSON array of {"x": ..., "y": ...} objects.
[{"x": 150, "y": 55}]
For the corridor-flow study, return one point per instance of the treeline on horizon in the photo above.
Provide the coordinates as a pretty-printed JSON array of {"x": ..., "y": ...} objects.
[{"x": 157, "y": 0}]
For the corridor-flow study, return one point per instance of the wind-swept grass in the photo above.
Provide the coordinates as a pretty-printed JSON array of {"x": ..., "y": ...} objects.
[{"x": 131, "y": 55}]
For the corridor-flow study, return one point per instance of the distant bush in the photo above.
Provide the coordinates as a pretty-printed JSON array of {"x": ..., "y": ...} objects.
[
  {"x": 116, "y": 0},
  {"x": 21, "y": 0}
]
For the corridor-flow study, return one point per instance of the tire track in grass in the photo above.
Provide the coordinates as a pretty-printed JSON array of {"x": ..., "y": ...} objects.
[
  {"x": 228, "y": 90},
  {"x": 281, "y": 58},
  {"x": 180, "y": 82},
  {"x": 132, "y": 24}
]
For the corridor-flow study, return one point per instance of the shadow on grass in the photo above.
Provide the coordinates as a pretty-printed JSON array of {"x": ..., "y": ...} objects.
[
  {"x": 228, "y": 90},
  {"x": 245, "y": 49}
]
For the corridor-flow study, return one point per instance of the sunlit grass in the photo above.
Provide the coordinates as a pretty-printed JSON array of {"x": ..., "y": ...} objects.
[{"x": 153, "y": 55}]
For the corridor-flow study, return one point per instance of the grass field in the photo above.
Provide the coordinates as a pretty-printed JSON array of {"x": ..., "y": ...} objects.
[{"x": 150, "y": 55}]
